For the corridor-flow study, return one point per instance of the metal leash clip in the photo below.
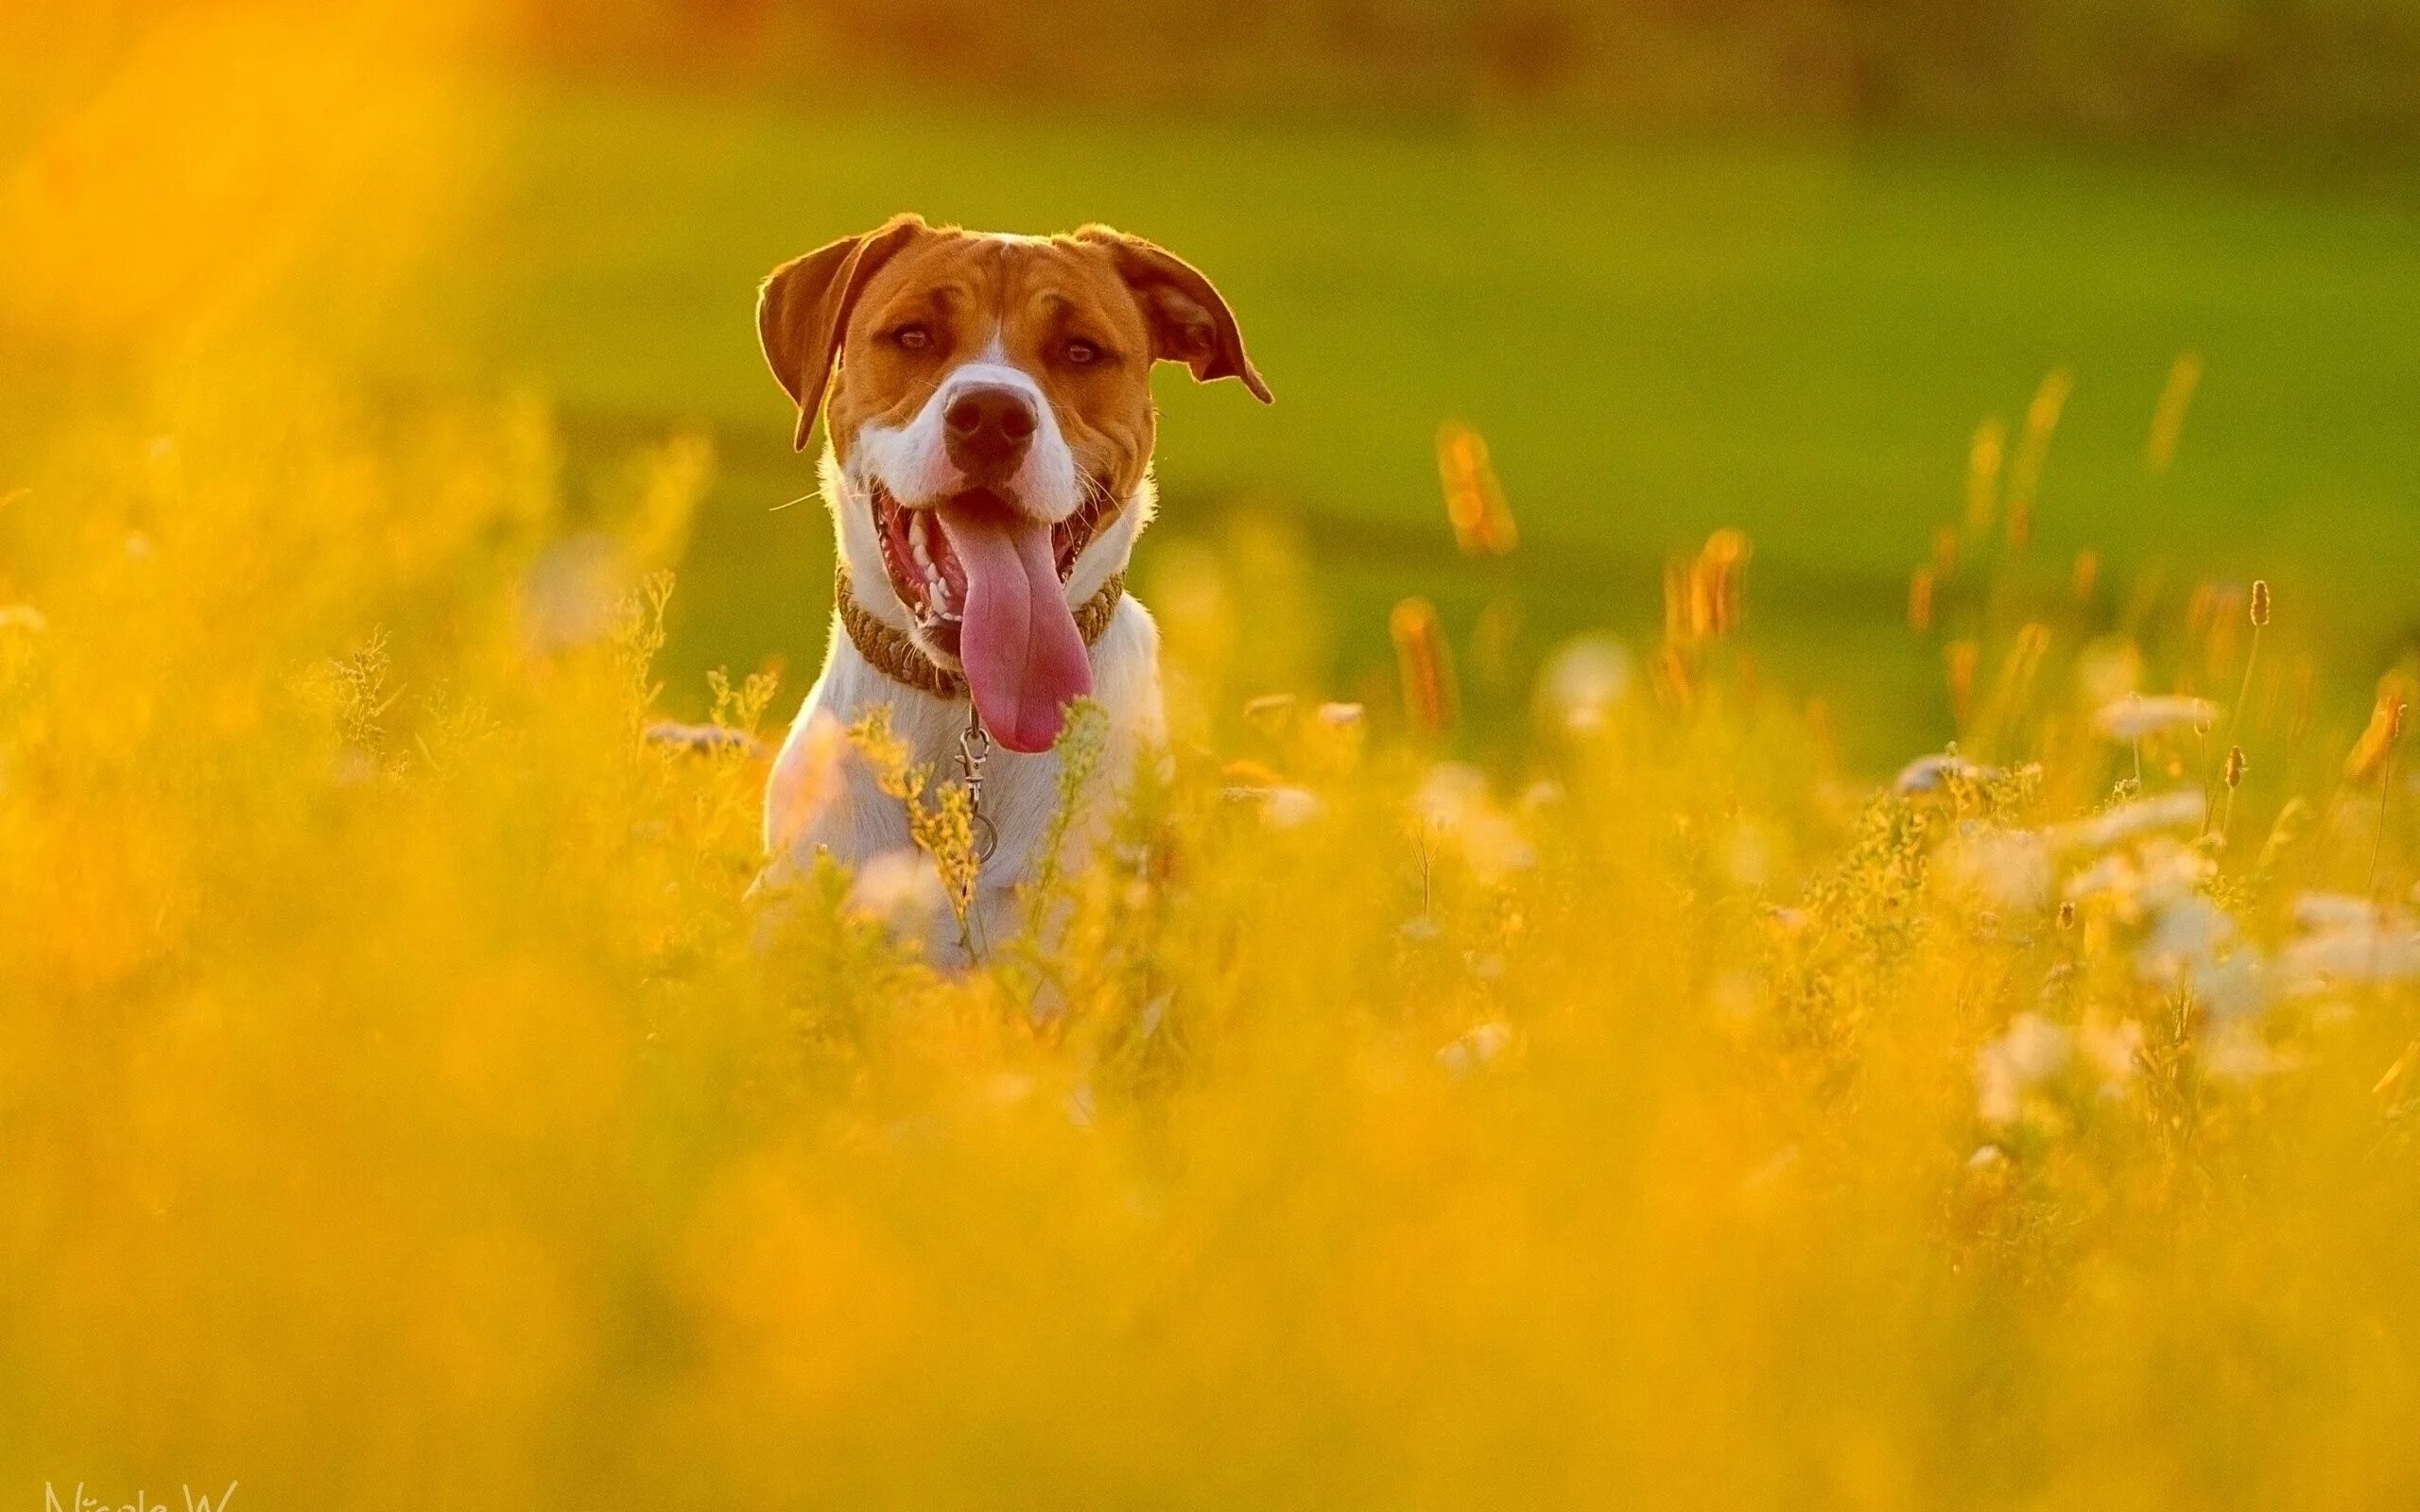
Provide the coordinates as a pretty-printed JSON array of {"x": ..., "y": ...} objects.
[{"x": 974, "y": 749}]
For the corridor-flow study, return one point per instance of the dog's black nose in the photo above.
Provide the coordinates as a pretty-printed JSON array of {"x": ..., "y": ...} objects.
[{"x": 990, "y": 426}]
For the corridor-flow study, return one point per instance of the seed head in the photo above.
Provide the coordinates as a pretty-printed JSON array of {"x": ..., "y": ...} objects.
[
  {"x": 2385, "y": 731},
  {"x": 2234, "y": 768},
  {"x": 2259, "y": 602},
  {"x": 2087, "y": 573},
  {"x": 1475, "y": 503},
  {"x": 1920, "y": 600},
  {"x": 1424, "y": 664}
]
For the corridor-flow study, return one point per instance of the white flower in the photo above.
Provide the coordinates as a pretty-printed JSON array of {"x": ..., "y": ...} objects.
[
  {"x": 2109, "y": 670},
  {"x": 2154, "y": 875},
  {"x": 901, "y": 890},
  {"x": 1282, "y": 806},
  {"x": 2169, "y": 811},
  {"x": 1454, "y": 806},
  {"x": 2011, "y": 867},
  {"x": 1540, "y": 795},
  {"x": 2232, "y": 987},
  {"x": 2334, "y": 910},
  {"x": 2031, "y": 1053},
  {"x": 2350, "y": 955},
  {"x": 2235, "y": 1052},
  {"x": 569, "y": 594},
  {"x": 1474, "y": 1047},
  {"x": 1931, "y": 774},
  {"x": 2133, "y": 717},
  {"x": 2186, "y": 930},
  {"x": 2348, "y": 939},
  {"x": 1583, "y": 683},
  {"x": 1340, "y": 715}
]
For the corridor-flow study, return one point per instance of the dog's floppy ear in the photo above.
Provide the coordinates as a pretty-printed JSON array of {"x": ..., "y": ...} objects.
[
  {"x": 1190, "y": 323},
  {"x": 803, "y": 309}
]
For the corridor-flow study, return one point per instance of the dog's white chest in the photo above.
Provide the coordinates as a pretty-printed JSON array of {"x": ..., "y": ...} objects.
[{"x": 824, "y": 797}]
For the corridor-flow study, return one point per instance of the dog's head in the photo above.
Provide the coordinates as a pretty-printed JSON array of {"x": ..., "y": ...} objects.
[{"x": 991, "y": 426}]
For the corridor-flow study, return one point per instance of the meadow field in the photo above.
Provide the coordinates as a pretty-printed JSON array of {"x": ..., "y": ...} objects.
[
  {"x": 1869, "y": 960},
  {"x": 1798, "y": 338}
]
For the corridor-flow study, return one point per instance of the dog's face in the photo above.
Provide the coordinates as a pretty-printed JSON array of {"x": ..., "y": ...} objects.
[{"x": 990, "y": 429}]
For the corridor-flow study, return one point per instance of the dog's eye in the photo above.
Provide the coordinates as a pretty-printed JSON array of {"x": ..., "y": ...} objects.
[
  {"x": 912, "y": 338},
  {"x": 1081, "y": 352}
]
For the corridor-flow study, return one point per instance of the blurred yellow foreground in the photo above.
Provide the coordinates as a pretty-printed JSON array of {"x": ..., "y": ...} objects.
[{"x": 405, "y": 1107}]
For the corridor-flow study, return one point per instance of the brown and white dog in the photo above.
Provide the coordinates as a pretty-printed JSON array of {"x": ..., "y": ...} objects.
[{"x": 988, "y": 466}]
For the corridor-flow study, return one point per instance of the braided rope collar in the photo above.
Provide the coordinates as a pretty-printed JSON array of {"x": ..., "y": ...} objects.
[{"x": 899, "y": 659}]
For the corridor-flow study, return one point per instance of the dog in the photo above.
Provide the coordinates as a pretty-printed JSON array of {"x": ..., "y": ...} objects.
[{"x": 989, "y": 431}]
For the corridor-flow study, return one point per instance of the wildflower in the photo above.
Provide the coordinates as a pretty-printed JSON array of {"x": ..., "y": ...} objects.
[
  {"x": 2141, "y": 882},
  {"x": 1282, "y": 806},
  {"x": 702, "y": 739},
  {"x": 2011, "y": 867},
  {"x": 1581, "y": 682},
  {"x": 1453, "y": 804},
  {"x": 2334, "y": 910},
  {"x": 2235, "y": 1052},
  {"x": 2182, "y": 810},
  {"x": 2188, "y": 928},
  {"x": 900, "y": 890},
  {"x": 2382, "y": 951},
  {"x": 1931, "y": 774},
  {"x": 2032, "y": 1051},
  {"x": 2108, "y": 670},
  {"x": 1475, "y": 1047},
  {"x": 1270, "y": 711},
  {"x": 2134, "y": 717},
  {"x": 2190, "y": 946},
  {"x": 807, "y": 782},
  {"x": 1333, "y": 737},
  {"x": 2260, "y": 603}
]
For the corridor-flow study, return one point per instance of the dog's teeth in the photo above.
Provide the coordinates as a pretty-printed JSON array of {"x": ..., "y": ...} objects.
[{"x": 916, "y": 540}]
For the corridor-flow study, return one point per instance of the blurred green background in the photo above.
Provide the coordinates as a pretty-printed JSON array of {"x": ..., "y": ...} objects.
[{"x": 1766, "y": 265}]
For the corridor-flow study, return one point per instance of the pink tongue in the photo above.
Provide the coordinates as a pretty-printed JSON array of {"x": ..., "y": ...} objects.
[{"x": 1024, "y": 660}]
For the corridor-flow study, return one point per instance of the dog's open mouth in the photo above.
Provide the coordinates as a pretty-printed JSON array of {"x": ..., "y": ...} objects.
[
  {"x": 929, "y": 578},
  {"x": 986, "y": 585}
]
